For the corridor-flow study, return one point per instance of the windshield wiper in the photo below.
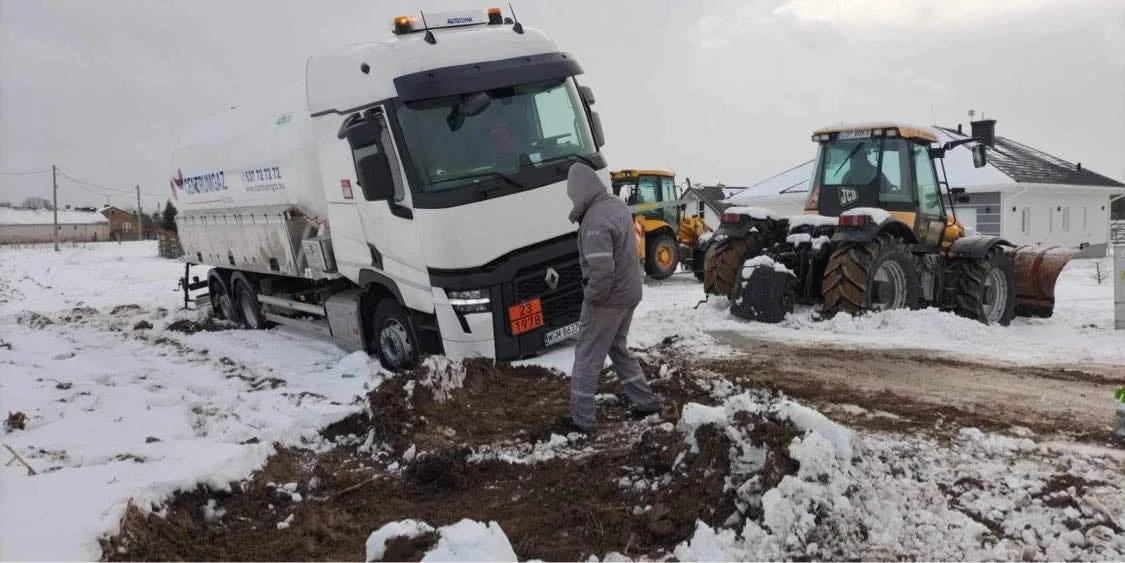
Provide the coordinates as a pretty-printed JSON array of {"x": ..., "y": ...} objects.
[
  {"x": 587, "y": 160},
  {"x": 848, "y": 158},
  {"x": 507, "y": 179}
]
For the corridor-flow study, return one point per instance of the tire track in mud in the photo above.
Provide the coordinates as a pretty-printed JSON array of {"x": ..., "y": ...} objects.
[{"x": 897, "y": 390}]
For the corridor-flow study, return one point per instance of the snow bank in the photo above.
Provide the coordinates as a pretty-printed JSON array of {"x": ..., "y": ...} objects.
[
  {"x": 443, "y": 376},
  {"x": 808, "y": 420}
]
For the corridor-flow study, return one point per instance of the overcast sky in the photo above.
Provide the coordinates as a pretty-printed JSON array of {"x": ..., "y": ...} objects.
[{"x": 721, "y": 91}]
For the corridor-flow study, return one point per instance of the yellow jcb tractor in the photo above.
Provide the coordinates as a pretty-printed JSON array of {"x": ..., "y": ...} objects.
[
  {"x": 667, "y": 237},
  {"x": 877, "y": 233}
]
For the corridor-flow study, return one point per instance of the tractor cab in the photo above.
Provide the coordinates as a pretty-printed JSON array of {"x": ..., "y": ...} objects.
[
  {"x": 886, "y": 166},
  {"x": 651, "y": 193}
]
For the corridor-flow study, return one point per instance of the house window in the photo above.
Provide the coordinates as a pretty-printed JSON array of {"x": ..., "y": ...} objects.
[
  {"x": 700, "y": 208},
  {"x": 1025, "y": 220},
  {"x": 1066, "y": 219},
  {"x": 127, "y": 227}
]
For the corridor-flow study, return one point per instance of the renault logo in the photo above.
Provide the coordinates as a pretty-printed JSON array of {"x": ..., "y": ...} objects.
[{"x": 552, "y": 278}]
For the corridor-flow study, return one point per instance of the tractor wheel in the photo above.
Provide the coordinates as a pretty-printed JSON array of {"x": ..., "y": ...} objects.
[
  {"x": 724, "y": 260},
  {"x": 871, "y": 276},
  {"x": 661, "y": 257},
  {"x": 982, "y": 289},
  {"x": 698, "y": 258}
]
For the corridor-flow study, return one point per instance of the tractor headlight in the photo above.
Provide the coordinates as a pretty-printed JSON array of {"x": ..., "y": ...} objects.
[{"x": 470, "y": 301}]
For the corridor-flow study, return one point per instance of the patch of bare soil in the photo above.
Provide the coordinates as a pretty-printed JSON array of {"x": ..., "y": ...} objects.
[
  {"x": 636, "y": 488},
  {"x": 210, "y": 324}
]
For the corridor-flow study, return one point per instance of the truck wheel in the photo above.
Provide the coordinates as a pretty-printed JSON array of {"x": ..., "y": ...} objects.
[
  {"x": 393, "y": 337},
  {"x": 870, "y": 276},
  {"x": 983, "y": 288},
  {"x": 222, "y": 304},
  {"x": 724, "y": 260},
  {"x": 661, "y": 257},
  {"x": 246, "y": 299}
]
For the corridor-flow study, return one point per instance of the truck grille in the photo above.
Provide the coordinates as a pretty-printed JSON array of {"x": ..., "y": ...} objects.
[{"x": 562, "y": 305}]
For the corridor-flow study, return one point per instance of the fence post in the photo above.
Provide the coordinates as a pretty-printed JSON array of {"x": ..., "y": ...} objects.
[{"x": 1119, "y": 286}]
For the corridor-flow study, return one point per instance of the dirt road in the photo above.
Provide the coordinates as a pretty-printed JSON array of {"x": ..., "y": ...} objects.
[{"x": 920, "y": 388}]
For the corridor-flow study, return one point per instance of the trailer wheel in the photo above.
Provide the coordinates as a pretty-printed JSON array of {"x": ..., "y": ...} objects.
[
  {"x": 246, "y": 299},
  {"x": 393, "y": 337},
  {"x": 724, "y": 260},
  {"x": 222, "y": 304},
  {"x": 870, "y": 276},
  {"x": 983, "y": 288},
  {"x": 661, "y": 257}
]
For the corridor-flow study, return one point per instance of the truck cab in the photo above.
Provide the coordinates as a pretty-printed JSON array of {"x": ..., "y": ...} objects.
[{"x": 440, "y": 156}]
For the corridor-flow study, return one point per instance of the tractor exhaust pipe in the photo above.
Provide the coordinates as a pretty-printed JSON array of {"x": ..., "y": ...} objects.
[{"x": 1037, "y": 271}]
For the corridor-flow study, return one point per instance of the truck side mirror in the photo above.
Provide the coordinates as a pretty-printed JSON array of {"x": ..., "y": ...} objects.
[
  {"x": 587, "y": 95},
  {"x": 596, "y": 129},
  {"x": 979, "y": 158},
  {"x": 374, "y": 176}
]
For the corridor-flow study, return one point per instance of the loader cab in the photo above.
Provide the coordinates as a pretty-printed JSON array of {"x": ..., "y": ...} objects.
[
  {"x": 651, "y": 193},
  {"x": 884, "y": 166}
]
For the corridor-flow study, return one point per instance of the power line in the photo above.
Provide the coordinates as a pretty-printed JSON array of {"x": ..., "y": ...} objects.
[
  {"x": 93, "y": 185},
  {"x": 23, "y": 173}
]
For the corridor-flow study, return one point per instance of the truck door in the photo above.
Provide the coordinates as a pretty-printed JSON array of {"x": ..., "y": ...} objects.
[
  {"x": 388, "y": 225},
  {"x": 930, "y": 224}
]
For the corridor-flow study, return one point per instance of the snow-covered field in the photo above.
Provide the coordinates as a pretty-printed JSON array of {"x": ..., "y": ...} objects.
[{"x": 119, "y": 413}]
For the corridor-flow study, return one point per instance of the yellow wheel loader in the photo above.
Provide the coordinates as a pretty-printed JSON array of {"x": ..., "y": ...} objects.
[
  {"x": 665, "y": 237},
  {"x": 878, "y": 233}
]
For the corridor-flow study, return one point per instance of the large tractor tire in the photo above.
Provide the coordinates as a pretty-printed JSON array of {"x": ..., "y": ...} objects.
[
  {"x": 661, "y": 256},
  {"x": 871, "y": 276},
  {"x": 724, "y": 260},
  {"x": 983, "y": 289}
]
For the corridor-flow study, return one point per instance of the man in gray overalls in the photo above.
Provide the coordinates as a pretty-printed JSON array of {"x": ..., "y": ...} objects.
[{"x": 611, "y": 274}]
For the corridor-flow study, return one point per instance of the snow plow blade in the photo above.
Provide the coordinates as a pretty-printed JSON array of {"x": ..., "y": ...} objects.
[{"x": 1037, "y": 270}]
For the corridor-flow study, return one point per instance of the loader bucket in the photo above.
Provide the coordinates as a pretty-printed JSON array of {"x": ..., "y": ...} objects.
[{"x": 1037, "y": 270}]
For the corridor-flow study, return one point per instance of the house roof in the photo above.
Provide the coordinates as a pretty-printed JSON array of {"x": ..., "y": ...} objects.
[
  {"x": 1008, "y": 163},
  {"x": 1026, "y": 165},
  {"x": 713, "y": 196},
  {"x": 13, "y": 216}
]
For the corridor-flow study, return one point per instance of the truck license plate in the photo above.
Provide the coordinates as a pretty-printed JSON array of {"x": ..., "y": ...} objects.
[
  {"x": 525, "y": 317},
  {"x": 558, "y": 335}
]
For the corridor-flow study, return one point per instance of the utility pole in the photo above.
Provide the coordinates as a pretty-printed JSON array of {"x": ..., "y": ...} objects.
[
  {"x": 55, "y": 205},
  {"x": 140, "y": 217}
]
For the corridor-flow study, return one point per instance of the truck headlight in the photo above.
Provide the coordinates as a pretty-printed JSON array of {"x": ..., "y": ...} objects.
[{"x": 471, "y": 301}]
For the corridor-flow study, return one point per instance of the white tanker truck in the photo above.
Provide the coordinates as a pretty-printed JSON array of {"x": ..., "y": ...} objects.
[{"x": 408, "y": 198}]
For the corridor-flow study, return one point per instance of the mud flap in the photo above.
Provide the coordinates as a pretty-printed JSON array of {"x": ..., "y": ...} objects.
[
  {"x": 765, "y": 295},
  {"x": 1037, "y": 271}
]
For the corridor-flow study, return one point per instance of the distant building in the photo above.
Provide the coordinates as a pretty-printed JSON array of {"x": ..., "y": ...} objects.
[
  {"x": 37, "y": 225},
  {"x": 1024, "y": 195},
  {"x": 122, "y": 224},
  {"x": 708, "y": 202}
]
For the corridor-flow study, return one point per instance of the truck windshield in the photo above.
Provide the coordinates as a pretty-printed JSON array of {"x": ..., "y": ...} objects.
[{"x": 522, "y": 130}]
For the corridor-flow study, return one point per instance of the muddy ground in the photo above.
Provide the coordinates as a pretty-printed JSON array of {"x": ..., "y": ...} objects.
[{"x": 486, "y": 452}]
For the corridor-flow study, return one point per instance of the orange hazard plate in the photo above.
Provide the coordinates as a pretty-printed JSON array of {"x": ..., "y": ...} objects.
[{"x": 526, "y": 316}]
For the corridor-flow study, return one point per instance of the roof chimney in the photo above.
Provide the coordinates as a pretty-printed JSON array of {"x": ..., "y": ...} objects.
[
  {"x": 959, "y": 129},
  {"x": 1079, "y": 166},
  {"x": 985, "y": 130}
]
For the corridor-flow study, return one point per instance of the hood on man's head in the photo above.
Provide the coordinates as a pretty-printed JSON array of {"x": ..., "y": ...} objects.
[{"x": 583, "y": 186}]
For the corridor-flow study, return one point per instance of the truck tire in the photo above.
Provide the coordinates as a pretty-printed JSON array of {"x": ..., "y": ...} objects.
[
  {"x": 661, "y": 257},
  {"x": 982, "y": 288},
  {"x": 222, "y": 302},
  {"x": 725, "y": 259},
  {"x": 864, "y": 276},
  {"x": 392, "y": 337},
  {"x": 246, "y": 301}
]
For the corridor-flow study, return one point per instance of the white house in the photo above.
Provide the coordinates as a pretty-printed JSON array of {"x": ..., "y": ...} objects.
[
  {"x": 708, "y": 202},
  {"x": 37, "y": 225},
  {"x": 1024, "y": 195}
]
